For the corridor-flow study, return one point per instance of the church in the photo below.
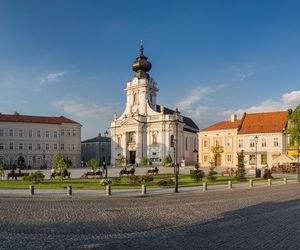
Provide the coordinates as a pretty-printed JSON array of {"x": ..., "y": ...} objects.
[{"x": 150, "y": 131}]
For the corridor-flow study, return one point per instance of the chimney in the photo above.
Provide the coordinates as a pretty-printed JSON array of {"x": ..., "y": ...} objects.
[{"x": 233, "y": 118}]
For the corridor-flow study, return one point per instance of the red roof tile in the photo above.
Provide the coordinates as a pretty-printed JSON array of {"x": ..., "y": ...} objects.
[
  {"x": 271, "y": 122},
  {"x": 36, "y": 119},
  {"x": 223, "y": 125}
]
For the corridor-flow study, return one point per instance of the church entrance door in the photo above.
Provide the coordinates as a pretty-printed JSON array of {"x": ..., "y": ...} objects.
[{"x": 132, "y": 157}]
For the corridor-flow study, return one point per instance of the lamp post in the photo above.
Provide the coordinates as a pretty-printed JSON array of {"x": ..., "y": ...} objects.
[
  {"x": 256, "y": 140},
  {"x": 176, "y": 167}
]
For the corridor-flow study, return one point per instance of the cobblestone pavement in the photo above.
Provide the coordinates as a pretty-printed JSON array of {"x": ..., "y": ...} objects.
[{"x": 261, "y": 218}]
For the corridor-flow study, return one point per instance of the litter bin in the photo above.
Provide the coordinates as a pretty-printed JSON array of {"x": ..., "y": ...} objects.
[{"x": 258, "y": 173}]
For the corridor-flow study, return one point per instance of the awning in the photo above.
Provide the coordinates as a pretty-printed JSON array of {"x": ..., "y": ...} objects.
[{"x": 283, "y": 159}]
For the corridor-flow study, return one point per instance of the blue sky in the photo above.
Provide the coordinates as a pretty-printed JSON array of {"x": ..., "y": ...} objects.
[{"x": 210, "y": 58}]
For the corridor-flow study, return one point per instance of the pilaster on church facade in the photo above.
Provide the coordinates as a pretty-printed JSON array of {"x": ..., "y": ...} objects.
[{"x": 148, "y": 130}]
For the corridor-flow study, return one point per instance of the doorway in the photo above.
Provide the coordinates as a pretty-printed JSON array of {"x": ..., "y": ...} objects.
[{"x": 132, "y": 157}]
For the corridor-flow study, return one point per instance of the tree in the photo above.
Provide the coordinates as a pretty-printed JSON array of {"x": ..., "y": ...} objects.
[
  {"x": 1, "y": 169},
  {"x": 167, "y": 161},
  {"x": 294, "y": 126},
  {"x": 93, "y": 164},
  {"x": 211, "y": 175},
  {"x": 217, "y": 151},
  {"x": 196, "y": 173},
  {"x": 121, "y": 160},
  {"x": 59, "y": 164},
  {"x": 241, "y": 171}
]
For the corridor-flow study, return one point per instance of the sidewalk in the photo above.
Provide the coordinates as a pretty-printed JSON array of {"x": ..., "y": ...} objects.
[{"x": 137, "y": 192}]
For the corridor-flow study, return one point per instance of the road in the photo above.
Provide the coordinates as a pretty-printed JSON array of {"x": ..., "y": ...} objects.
[{"x": 259, "y": 218}]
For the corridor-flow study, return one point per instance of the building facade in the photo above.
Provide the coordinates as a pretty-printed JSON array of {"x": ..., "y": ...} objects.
[
  {"x": 148, "y": 130},
  {"x": 96, "y": 148},
  {"x": 223, "y": 135},
  {"x": 32, "y": 141},
  {"x": 261, "y": 136}
]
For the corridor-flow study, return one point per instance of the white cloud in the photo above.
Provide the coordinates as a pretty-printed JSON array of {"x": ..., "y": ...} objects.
[
  {"x": 52, "y": 77},
  {"x": 195, "y": 96},
  {"x": 84, "y": 110},
  {"x": 287, "y": 100}
]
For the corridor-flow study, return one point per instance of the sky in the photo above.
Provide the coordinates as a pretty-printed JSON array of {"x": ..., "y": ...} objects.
[{"x": 210, "y": 58}]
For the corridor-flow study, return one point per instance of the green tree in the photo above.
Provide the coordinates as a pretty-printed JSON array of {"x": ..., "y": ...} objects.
[
  {"x": 59, "y": 164},
  {"x": 1, "y": 169},
  {"x": 211, "y": 175},
  {"x": 167, "y": 161},
  {"x": 241, "y": 171},
  {"x": 294, "y": 126},
  {"x": 121, "y": 160},
  {"x": 196, "y": 173},
  {"x": 217, "y": 151},
  {"x": 93, "y": 164},
  {"x": 145, "y": 161}
]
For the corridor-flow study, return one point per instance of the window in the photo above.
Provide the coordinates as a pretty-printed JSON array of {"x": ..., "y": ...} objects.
[
  {"x": 29, "y": 146},
  {"x": 154, "y": 138},
  {"x": 47, "y": 146},
  {"x": 150, "y": 98},
  {"x": 11, "y": 146},
  {"x": 228, "y": 158},
  {"x": 186, "y": 143},
  {"x": 252, "y": 159},
  {"x": 205, "y": 158},
  {"x": 73, "y": 147},
  {"x": 1, "y": 132},
  {"x": 252, "y": 143},
  {"x": 217, "y": 142},
  {"x": 20, "y": 133},
  {"x": 241, "y": 143},
  {"x": 47, "y": 134},
  {"x": 263, "y": 142},
  {"x": 55, "y": 146},
  {"x": 62, "y": 146},
  {"x": 135, "y": 98},
  {"x": 264, "y": 159},
  {"x": 55, "y": 134},
  {"x": 38, "y": 146},
  {"x": 228, "y": 142},
  {"x": 172, "y": 141},
  {"x": 195, "y": 144},
  {"x": 38, "y": 133},
  {"x": 68, "y": 132},
  {"x": 11, "y": 133},
  {"x": 276, "y": 143},
  {"x": 30, "y": 133},
  {"x": 62, "y": 132},
  {"x": 205, "y": 143},
  {"x": 20, "y": 146},
  {"x": 74, "y": 132},
  {"x": 1, "y": 146}
]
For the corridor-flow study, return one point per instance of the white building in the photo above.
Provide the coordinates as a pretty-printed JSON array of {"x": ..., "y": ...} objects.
[
  {"x": 263, "y": 134},
  {"x": 34, "y": 140},
  {"x": 149, "y": 130}
]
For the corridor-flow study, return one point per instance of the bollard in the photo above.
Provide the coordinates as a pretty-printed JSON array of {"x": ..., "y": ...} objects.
[
  {"x": 31, "y": 190},
  {"x": 284, "y": 180},
  {"x": 204, "y": 186},
  {"x": 229, "y": 184},
  {"x": 250, "y": 183},
  {"x": 69, "y": 190},
  {"x": 144, "y": 189},
  {"x": 269, "y": 182},
  {"x": 108, "y": 189}
]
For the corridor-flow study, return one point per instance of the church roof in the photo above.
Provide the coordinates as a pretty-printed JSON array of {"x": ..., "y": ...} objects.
[{"x": 188, "y": 121}]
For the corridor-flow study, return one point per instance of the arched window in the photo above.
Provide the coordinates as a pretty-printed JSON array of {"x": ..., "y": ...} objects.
[
  {"x": 186, "y": 143},
  {"x": 154, "y": 138},
  {"x": 172, "y": 141}
]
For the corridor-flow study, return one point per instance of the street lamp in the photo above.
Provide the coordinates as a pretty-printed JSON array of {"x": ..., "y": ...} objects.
[
  {"x": 176, "y": 167},
  {"x": 256, "y": 140}
]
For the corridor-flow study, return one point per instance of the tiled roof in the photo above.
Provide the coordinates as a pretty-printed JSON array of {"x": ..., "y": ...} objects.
[
  {"x": 35, "y": 119},
  {"x": 271, "y": 122},
  {"x": 223, "y": 125}
]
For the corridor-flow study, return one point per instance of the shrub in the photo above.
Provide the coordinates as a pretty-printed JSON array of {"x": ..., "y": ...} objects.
[
  {"x": 197, "y": 174},
  {"x": 35, "y": 177},
  {"x": 146, "y": 178},
  {"x": 162, "y": 182},
  {"x": 211, "y": 176},
  {"x": 167, "y": 161},
  {"x": 145, "y": 161},
  {"x": 268, "y": 174},
  {"x": 115, "y": 181},
  {"x": 171, "y": 180},
  {"x": 105, "y": 182},
  {"x": 134, "y": 179}
]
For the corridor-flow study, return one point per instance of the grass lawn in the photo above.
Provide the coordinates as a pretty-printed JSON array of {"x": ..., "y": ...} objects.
[{"x": 119, "y": 183}]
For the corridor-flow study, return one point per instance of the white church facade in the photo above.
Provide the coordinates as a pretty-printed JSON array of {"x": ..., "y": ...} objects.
[{"x": 148, "y": 130}]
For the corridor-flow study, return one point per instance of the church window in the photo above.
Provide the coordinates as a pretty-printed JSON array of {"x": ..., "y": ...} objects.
[
  {"x": 186, "y": 143},
  {"x": 172, "y": 141},
  {"x": 135, "y": 98}
]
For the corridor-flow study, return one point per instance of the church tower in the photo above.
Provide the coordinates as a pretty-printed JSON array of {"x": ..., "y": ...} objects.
[{"x": 141, "y": 90}]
